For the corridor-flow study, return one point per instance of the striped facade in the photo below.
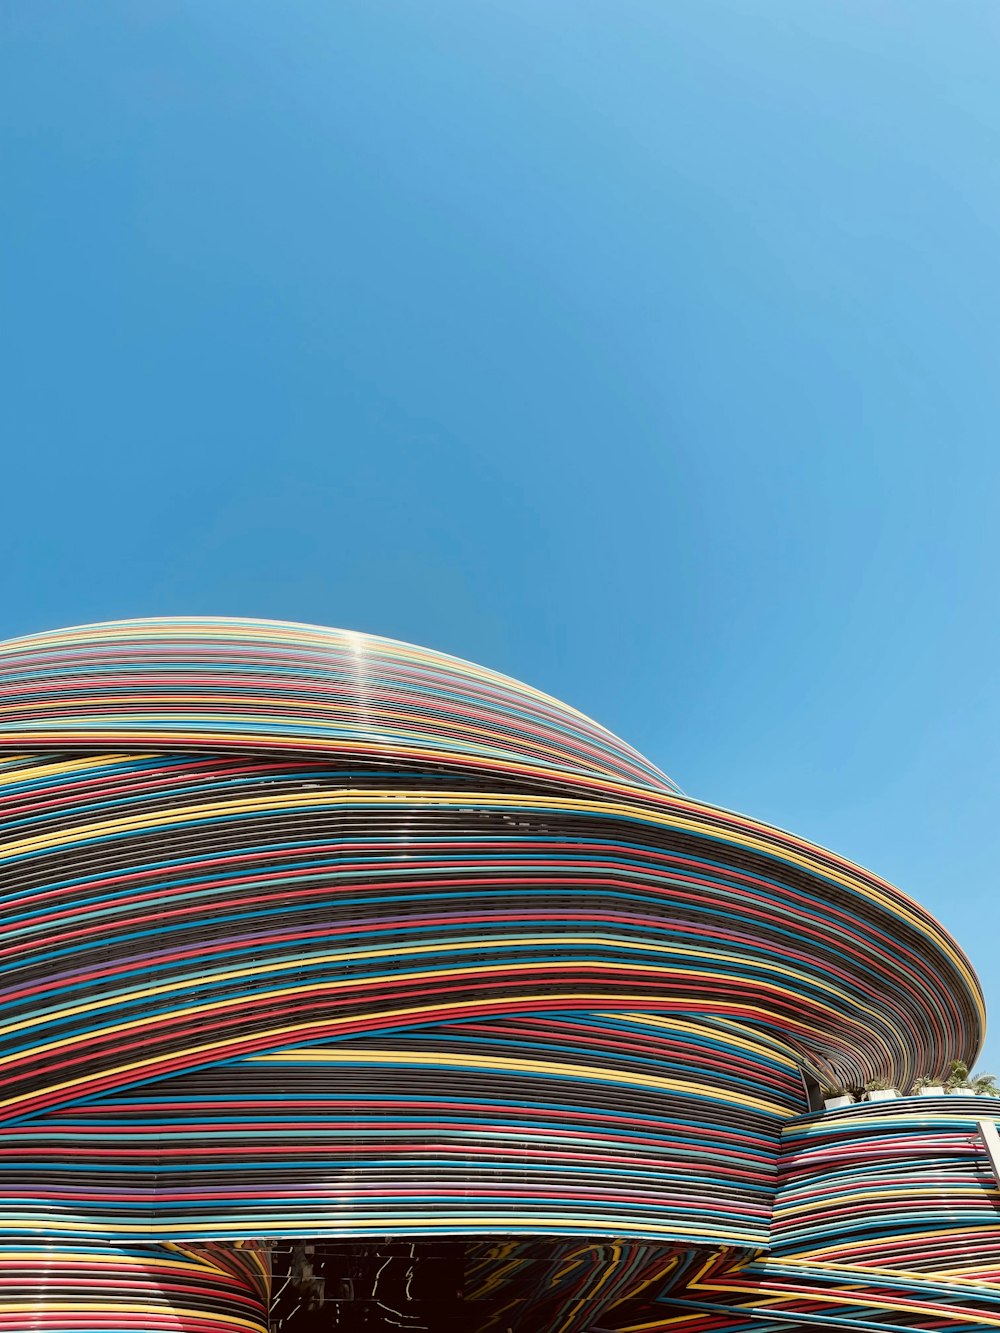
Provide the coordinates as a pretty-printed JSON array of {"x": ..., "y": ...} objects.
[{"x": 315, "y": 936}]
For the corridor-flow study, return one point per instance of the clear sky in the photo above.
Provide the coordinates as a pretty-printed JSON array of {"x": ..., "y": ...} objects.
[{"x": 644, "y": 349}]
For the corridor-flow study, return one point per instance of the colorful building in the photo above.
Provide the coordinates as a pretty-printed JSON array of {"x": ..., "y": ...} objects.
[{"x": 353, "y": 986}]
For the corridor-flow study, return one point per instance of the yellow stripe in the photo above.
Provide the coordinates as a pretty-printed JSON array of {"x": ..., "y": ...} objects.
[
  {"x": 471, "y": 1224},
  {"x": 551, "y": 1067}
]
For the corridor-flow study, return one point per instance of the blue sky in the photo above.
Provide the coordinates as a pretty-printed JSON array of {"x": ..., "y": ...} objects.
[{"x": 646, "y": 351}]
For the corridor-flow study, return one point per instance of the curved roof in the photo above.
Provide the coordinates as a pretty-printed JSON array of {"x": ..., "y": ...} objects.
[{"x": 266, "y": 685}]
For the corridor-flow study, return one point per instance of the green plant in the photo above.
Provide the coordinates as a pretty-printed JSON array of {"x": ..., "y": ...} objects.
[
  {"x": 985, "y": 1084},
  {"x": 927, "y": 1081},
  {"x": 958, "y": 1075},
  {"x": 879, "y": 1085}
]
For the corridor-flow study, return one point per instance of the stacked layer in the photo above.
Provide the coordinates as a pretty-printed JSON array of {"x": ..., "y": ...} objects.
[
  {"x": 886, "y": 1215},
  {"x": 260, "y": 686}
]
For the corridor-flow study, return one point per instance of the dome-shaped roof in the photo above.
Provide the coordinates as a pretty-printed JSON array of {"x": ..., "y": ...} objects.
[{"x": 233, "y": 684}]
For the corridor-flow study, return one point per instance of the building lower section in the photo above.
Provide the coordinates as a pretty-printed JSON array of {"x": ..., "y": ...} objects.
[{"x": 885, "y": 1219}]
